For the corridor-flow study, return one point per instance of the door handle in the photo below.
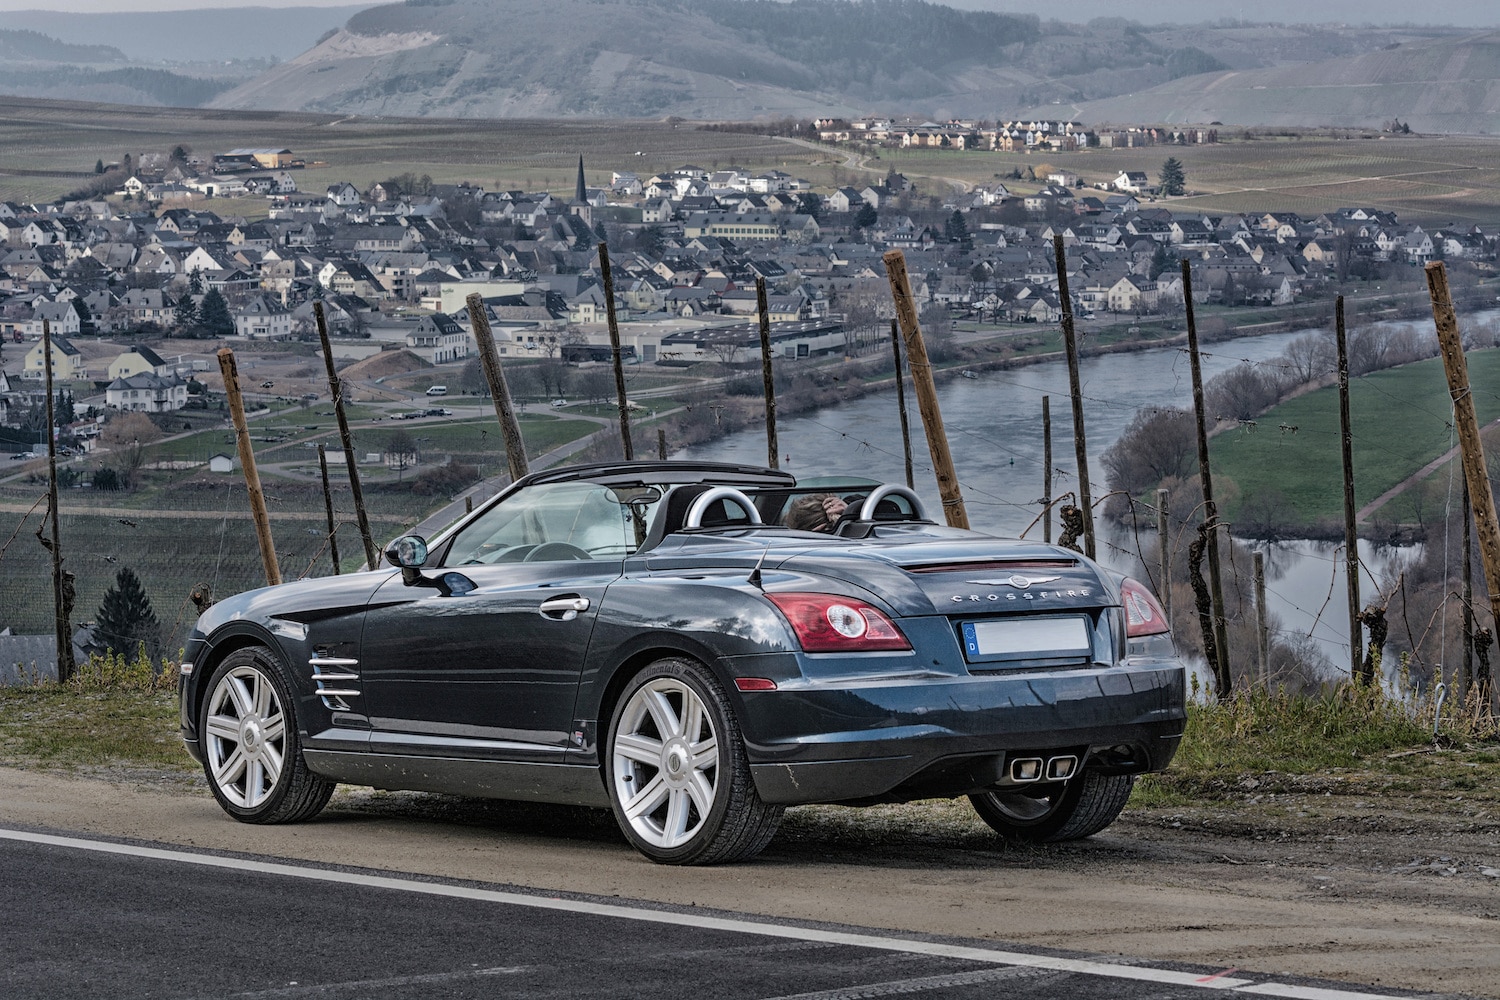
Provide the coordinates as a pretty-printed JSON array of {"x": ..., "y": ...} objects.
[{"x": 563, "y": 609}]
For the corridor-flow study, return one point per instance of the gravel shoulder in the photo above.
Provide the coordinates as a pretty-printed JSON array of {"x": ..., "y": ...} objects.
[{"x": 1335, "y": 877}]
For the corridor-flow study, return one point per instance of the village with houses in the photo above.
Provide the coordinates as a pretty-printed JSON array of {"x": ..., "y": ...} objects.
[{"x": 138, "y": 287}]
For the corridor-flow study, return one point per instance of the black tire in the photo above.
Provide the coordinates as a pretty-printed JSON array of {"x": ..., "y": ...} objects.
[
  {"x": 677, "y": 805},
  {"x": 1044, "y": 814},
  {"x": 252, "y": 753}
]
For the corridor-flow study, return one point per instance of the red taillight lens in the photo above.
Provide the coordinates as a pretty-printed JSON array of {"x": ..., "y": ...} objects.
[
  {"x": 1143, "y": 615},
  {"x": 826, "y": 623}
]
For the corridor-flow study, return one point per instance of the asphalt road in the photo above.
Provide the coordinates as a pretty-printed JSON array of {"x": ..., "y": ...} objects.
[{"x": 92, "y": 918}]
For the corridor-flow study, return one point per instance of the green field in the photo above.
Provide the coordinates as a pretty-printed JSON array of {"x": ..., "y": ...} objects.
[{"x": 1400, "y": 421}]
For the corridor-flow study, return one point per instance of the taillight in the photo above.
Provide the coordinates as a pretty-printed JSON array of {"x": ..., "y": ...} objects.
[
  {"x": 826, "y": 623},
  {"x": 1143, "y": 615}
]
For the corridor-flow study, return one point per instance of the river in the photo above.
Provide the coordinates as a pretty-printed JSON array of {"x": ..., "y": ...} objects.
[{"x": 994, "y": 425}]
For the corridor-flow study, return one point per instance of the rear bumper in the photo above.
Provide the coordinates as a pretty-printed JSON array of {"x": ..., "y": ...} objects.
[{"x": 907, "y": 739}]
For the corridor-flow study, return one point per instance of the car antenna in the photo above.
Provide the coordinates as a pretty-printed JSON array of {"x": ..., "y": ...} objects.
[{"x": 755, "y": 573}]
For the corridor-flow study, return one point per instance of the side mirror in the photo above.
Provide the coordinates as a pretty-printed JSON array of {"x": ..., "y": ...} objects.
[{"x": 410, "y": 553}]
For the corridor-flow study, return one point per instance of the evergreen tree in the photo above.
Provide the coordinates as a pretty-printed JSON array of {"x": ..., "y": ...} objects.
[
  {"x": 1173, "y": 181},
  {"x": 186, "y": 314},
  {"x": 85, "y": 317},
  {"x": 866, "y": 216},
  {"x": 957, "y": 229},
  {"x": 1162, "y": 261},
  {"x": 213, "y": 315},
  {"x": 125, "y": 619},
  {"x": 98, "y": 166},
  {"x": 128, "y": 164}
]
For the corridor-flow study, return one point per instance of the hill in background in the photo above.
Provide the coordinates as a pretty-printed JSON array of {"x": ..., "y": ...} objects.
[
  {"x": 189, "y": 36},
  {"x": 1435, "y": 86},
  {"x": 755, "y": 59}
]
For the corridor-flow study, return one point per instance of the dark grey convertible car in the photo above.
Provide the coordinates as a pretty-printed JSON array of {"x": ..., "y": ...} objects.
[{"x": 647, "y": 637}]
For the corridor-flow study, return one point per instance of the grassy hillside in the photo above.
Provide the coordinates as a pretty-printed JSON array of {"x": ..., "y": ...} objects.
[
  {"x": 746, "y": 59},
  {"x": 1400, "y": 420}
]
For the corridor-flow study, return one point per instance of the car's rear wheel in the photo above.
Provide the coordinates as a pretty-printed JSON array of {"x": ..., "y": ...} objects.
[
  {"x": 678, "y": 777},
  {"x": 251, "y": 752},
  {"x": 1047, "y": 813}
]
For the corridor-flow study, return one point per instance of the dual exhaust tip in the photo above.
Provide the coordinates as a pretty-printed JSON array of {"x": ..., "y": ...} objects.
[{"x": 1028, "y": 769}]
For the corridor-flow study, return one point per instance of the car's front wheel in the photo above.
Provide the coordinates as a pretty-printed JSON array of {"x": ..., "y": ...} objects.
[
  {"x": 1048, "y": 813},
  {"x": 251, "y": 752},
  {"x": 678, "y": 777}
]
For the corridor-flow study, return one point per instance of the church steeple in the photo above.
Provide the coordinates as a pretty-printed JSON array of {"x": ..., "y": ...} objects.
[{"x": 581, "y": 194}]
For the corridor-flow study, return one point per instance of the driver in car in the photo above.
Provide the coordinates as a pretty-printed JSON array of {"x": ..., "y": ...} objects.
[{"x": 814, "y": 512}]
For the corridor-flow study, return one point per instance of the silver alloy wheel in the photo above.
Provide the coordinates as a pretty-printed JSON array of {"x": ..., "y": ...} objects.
[
  {"x": 665, "y": 762},
  {"x": 245, "y": 736}
]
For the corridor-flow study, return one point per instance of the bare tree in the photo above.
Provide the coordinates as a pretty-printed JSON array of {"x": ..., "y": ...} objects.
[
  {"x": 1156, "y": 445},
  {"x": 1310, "y": 357},
  {"x": 727, "y": 351},
  {"x": 596, "y": 385},
  {"x": 400, "y": 452},
  {"x": 127, "y": 436}
]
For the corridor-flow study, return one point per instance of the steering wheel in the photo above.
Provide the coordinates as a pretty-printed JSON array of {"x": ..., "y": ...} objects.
[{"x": 555, "y": 551}]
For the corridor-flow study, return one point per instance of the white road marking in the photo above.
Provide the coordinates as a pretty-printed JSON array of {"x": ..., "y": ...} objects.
[{"x": 933, "y": 949}]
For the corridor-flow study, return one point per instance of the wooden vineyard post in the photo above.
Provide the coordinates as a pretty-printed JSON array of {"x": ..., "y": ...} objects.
[
  {"x": 1075, "y": 389},
  {"x": 614, "y": 348},
  {"x": 901, "y": 405},
  {"x": 1262, "y": 620},
  {"x": 927, "y": 404},
  {"x": 1047, "y": 469},
  {"x": 1481, "y": 497},
  {"x": 489, "y": 360},
  {"x": 1164, "y": 553},
  {"x": 62, "y": 596},
  {"x": 772, "y": 454},
  {"x": 333, "y": 538},
  {"x": 1351, "y": 537},
  {"x": 1220, "y": 666},
  {"x": 336, "y": 388},
  {"x": 247, "y": 465}
]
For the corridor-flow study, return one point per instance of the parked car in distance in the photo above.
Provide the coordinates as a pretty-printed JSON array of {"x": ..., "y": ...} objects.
[
  {"x": 22, "y": 456},
  {"x": 437, "y": 390},
  {"x": 268, "y": 384},
  {"x": 650, "y": 638}
]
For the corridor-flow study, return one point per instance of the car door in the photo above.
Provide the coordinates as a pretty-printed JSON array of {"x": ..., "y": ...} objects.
[
  {"x": 481, "y": 656},
  {"x": 487, "y": 671}
]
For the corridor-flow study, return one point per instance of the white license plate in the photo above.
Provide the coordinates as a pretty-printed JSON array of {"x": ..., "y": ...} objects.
[{"x": 1016, "y": 638}]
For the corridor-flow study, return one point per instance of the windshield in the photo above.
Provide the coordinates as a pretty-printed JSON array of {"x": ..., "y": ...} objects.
[{"x": 558, "y": 521}]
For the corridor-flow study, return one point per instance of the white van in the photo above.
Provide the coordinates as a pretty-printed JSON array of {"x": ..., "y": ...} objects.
[{"x": 437, "y": 390}]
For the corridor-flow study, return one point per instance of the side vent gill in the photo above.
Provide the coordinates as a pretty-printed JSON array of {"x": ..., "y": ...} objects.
[{"x": 332, "y": 675}]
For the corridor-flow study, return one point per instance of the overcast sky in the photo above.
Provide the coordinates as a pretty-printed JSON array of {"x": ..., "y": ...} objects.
[
  {"x": 1467, "y": 13},
  {"x": 112, "y": 6}
]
